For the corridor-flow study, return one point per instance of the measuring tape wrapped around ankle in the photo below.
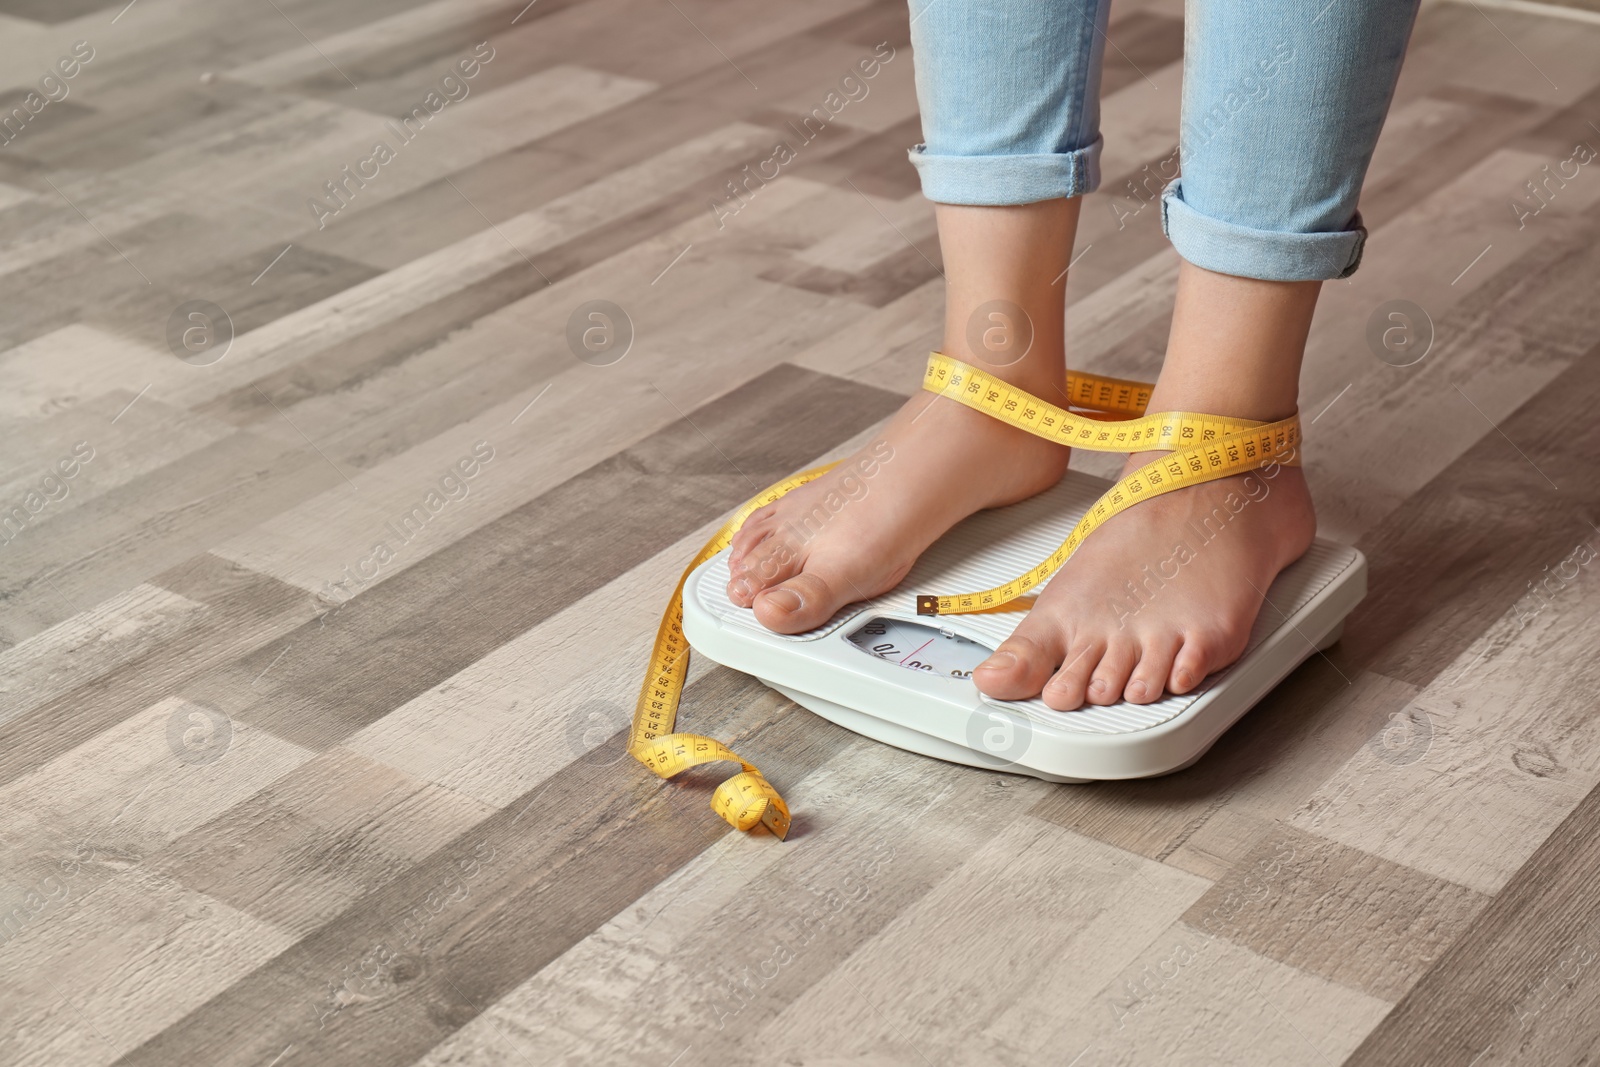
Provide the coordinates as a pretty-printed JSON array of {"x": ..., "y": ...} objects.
[
  {"x": 1203, "y": 448},
  {"x": 747, "y": 798}
]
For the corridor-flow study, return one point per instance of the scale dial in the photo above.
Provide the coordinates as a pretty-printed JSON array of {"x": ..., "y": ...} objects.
[{"x": 919, "y": 647}]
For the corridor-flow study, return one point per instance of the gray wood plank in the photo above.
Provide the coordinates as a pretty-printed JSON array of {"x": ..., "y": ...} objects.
[
  {"x": 1327, "y": 909},
  {"x": 1491, "y": 524},
  {"x": 1269, "y": 763}
]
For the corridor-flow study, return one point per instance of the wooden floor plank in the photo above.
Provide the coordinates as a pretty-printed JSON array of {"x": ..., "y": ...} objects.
[
  {"x": 244, "y": 610},
  {"x": 1346, "y": 915},
  {"x": 134, "y": 955},
  {"x": 1519, "y": 986},
  {"x": 1484, "y": 551},
  {"x": 89, "y": 644}
]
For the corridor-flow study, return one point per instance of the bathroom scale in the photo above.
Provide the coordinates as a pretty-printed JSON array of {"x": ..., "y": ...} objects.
[{"x": 883, "y": 671}]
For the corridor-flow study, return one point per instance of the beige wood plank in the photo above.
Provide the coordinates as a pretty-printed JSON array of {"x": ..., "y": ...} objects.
[
  {"x": 1487, "y": 760},
  {"x": 308, "y": 845},
  {"x": 1520, "y": 985},
  {"x": 1139, "y": 123},
  {"x": 130, "y": 435},
  {"x": 148, "y": 779},
  {"x": 129, "y": 959},
  {"x": 1190, "y": 999},
  {"x": 890, "y": 95},
  {"x": 245, "y": 610},
  {"x": 372, "y": 37},
  {"x": 88, "y": 645},
  {"x": 1546, "y": 60},
  {"x": 1029, "y": 928},
  {"x": 534, "y": 893},
  {"x": 11, "y": 195},
  {"x": 250, "y": 163},
  {"x": 77, "y": 363},
  {"x": 1262, "y": 769},
  {"x": 880, "y": 228},
  {"x": 536, "y": 106}
]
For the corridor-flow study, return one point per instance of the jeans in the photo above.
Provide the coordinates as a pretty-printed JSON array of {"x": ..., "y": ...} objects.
[{"x": 1283, "y": 101}]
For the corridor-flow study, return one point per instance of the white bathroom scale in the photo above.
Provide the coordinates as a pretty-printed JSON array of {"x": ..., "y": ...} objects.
[{"x": 881, "y": 670}]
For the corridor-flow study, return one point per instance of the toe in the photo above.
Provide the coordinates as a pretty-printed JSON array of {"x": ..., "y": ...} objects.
[
  {"x": 801, "y": 603},
  {"x": 767, "y": 563},
  {"x": 1021, "y": 665},
  {"x": 1149, "y": 678},
  {"x": 1196, "y": 659},
  {"x": 1065, "y": 692},
  {"x": 1209, "y": 651},
  {"x": 1110, "y": 678},
  {"x": 754, "y": 530}
]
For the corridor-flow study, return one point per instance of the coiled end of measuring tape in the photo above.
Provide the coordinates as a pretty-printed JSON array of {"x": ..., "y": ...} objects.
[{"x": 743, "y": 801}]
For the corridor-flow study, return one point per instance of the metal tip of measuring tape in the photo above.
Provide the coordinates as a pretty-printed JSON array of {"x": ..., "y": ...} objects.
[
  {"x": 778, "y": 823},
  {"x": 927, "y": 605}
]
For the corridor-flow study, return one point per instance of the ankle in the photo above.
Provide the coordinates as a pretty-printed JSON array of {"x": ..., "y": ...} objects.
[
  {"x": 1042, "y": 371},
  {"x": 1225, "y": 395},
  {"x": 1235, "y": 346}
]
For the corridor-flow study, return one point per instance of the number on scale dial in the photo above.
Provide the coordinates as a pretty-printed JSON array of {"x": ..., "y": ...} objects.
[{"x": 919, "y": 647}]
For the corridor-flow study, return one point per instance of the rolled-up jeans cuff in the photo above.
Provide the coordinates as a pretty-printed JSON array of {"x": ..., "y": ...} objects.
[
  {"x": 1271, "y": 255},
  {"x": 1008, "y": 179}
]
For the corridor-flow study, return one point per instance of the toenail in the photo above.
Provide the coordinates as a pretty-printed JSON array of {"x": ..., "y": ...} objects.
[
  {"x": 1184, "y": 681},
  {"x": 998, "y": 662},
  {"x": 1135, "y": 690},
  {"x": 741, "y": 590},
  {"x": 785, "y": 600},
  {"x": 1099, "y": 685}
]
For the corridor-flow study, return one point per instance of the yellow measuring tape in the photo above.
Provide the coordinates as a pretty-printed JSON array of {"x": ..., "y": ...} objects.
[
  {"x": 1203, "y": 447},
  {"x": 747, "y": 798}
]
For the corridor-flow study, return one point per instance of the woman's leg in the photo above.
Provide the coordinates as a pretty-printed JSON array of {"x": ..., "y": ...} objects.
[
  {"x": 1008, "y": 91},
  {"x": 1282, "y": 107}
]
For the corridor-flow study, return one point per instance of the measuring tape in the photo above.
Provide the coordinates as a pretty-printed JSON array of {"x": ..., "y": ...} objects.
[
  {"x": 1203, "y": 447},
  {"x": 747, "y": 798}
]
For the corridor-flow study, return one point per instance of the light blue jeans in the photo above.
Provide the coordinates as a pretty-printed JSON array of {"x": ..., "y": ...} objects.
[{"x": 1282, "y": 104}]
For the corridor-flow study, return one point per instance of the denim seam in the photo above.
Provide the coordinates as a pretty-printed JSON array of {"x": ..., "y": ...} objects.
[
  {"x": 1232, "y": 248},
  {"x": 981, "y": 180}
]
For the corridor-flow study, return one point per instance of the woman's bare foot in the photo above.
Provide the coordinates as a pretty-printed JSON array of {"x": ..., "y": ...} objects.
[
  {"x": 1166, "y": 592},
  {"x": 1159, "y": 597},
  {"x": 856, "y": 531}
]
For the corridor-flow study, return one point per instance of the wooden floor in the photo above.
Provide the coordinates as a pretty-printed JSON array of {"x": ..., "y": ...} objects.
[{"x": 312, "y": 670}]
